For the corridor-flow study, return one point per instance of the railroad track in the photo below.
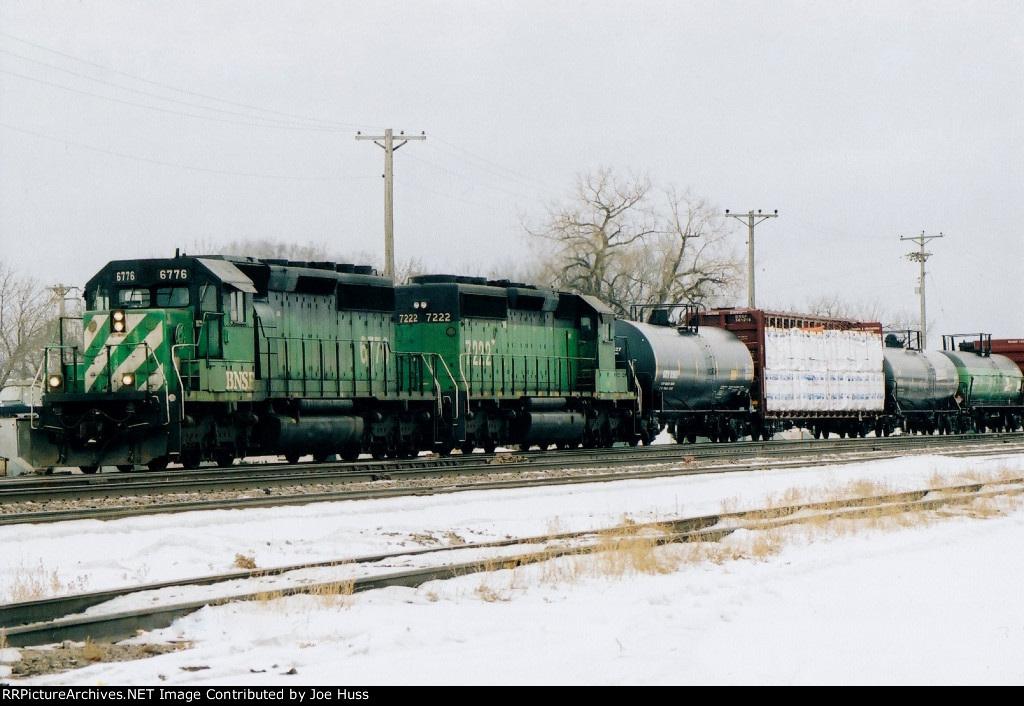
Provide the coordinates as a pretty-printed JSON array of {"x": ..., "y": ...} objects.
[
  {"x": 96, "y": 616},
  {"x": 109, "y": 496}
]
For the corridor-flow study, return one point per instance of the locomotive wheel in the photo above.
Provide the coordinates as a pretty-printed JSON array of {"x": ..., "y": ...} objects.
[
  {"x": 489, "y": 446},
  {"x": 125, "y": 467},
  {"x": 88, "y": 469},
  {"x": 443, "y": 449},
  {"x": 189, "y": 459},
  {"x": 157, "y": 464},
  {"x": 225, "y": 458},
  {"x": 291, "y": 458},
  {"x": 467, "y": 447},
  {"x": 350, "y": 453}
]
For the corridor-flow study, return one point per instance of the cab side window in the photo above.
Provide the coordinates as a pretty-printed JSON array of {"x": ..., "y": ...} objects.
[
  {"x": 236, "y": 304},
  {"x": 101, "y": 299},
  {"x": 207, "y": 298}
]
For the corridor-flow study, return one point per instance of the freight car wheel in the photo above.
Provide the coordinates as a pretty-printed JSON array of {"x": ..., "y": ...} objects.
[
  {"x": 291, "y": 458},
  {"x": 157, "y": 464},
  {"x": 189, "y": 459},
  {"x": 225, "y": 459},
  {"x": 125, "y": 467},
  {"x": 88, "y": 469},
  {"x": 350, "y": 453}
]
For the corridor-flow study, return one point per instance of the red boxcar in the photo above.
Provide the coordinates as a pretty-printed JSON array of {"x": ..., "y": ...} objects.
[
  {"x": 1012, "y": 348},
  {"x": 815, "y": 372}
]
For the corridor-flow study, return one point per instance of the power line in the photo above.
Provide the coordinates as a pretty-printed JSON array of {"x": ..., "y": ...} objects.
[
  {"x": 168, "y": 110},
  {"x": 173, "y": 88},
  {"x": 177, "y": 165}
]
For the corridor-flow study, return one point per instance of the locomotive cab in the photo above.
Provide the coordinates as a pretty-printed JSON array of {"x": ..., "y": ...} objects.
[{"x": 114, "y": 388}]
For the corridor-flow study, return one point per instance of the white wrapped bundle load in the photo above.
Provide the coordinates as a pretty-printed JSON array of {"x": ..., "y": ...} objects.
[{"x": 823, "y": 370}]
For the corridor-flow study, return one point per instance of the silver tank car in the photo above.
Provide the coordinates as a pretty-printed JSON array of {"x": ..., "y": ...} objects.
[
  {"x": 693, "y": 370},
  {"x": 918, "y": 380}
]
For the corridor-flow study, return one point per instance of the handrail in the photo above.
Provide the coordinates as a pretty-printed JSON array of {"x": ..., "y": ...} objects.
[
  {"x": 455, "y": 384},
  {"x": 370, "y": 346},
  {"x": 636, "y": 384},
  {"x": 527, "y": 358},
  {"x": 181, "y": 382}
]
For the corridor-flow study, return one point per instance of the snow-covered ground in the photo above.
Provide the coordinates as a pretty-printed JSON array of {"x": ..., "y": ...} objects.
[{"x": 934, "y": 603}]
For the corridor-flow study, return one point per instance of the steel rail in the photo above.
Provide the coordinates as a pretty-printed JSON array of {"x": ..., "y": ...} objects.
[{"x": 121, "y": 625}]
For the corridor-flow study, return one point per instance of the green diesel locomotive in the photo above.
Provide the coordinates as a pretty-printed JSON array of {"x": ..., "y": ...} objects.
[{"x": 212, "y": 358}]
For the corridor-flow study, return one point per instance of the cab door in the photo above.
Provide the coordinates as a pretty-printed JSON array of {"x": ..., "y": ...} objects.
[{"x": 210, "y": 323}]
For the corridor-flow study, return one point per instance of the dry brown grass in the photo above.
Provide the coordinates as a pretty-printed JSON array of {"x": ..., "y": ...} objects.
[
  {"x": 33, "y": 583},
  {"x": 334, "y": 594},
  {"x": 91, "y": 651},
  {"x": 244, "y": 562},
  {"x": 625, "y": 551}
]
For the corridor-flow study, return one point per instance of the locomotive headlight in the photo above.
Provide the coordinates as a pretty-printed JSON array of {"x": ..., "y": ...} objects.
[
  {"x": 118, "y": 321},
  {"x": 128, "y": 380},
  {"x": 415, "y": 305},
  {"x": 54, "y": 382}
]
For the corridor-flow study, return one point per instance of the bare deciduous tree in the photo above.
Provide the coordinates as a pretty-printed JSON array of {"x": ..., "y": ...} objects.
[
  {"x": 27, "y": 314},
  {"x": 834, "y": 305},
  {"x": 623, "y": 242}
]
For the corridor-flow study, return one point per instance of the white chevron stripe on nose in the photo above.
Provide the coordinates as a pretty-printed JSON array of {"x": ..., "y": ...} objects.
[{"x": 139, "y": 354}]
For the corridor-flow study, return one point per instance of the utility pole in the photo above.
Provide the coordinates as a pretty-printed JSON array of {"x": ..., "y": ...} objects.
[
  {"x": 921, "y": 257},
  {"x": 61, "y": 292},
  {"x": 389, "y": 226},
  {"x": 752, "y": 220}
]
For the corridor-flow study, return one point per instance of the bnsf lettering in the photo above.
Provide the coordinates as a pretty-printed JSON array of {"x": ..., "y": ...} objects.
[
  {"x": 176, "y": 275},
  {"x": 125, "y": 276},
  {"x": 241, "y": 380}
]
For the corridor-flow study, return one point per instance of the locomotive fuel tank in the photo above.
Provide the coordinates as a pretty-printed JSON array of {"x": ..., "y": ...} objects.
[
  {"x": 706, "y": 368},
  {"x": 987, "y": 380},
  {"x": 918, "y": 380}
]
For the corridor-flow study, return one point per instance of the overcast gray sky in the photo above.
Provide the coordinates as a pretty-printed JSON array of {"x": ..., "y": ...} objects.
[{"x": 128, "y": 129}]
